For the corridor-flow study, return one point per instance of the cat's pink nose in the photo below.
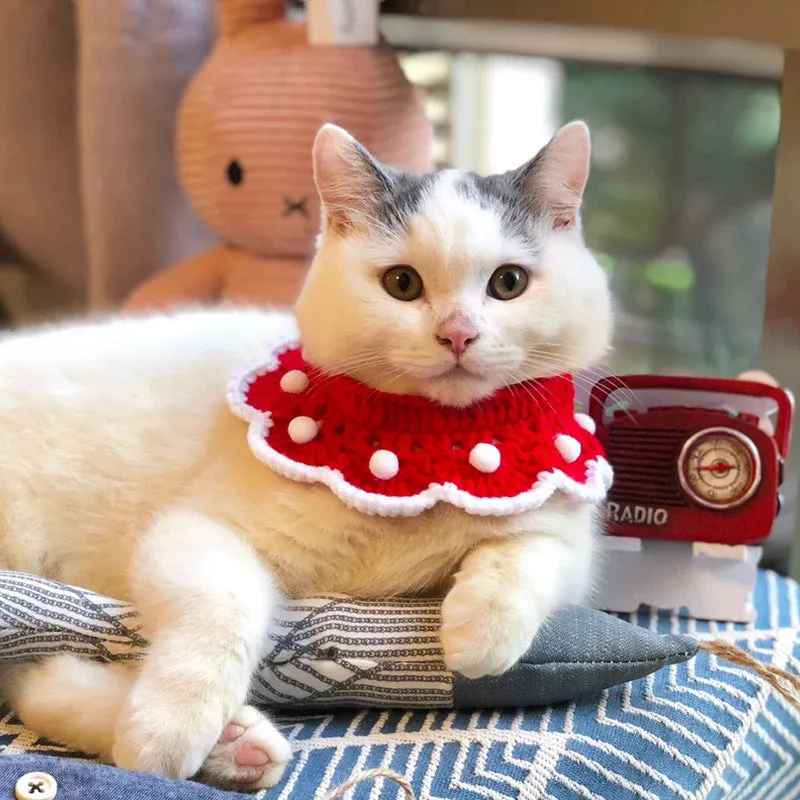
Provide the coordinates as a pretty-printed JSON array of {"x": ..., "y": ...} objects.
[{"x": 457, "y": 332}]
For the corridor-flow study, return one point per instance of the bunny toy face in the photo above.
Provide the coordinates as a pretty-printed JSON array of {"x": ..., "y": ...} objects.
[{"x": 247, "y": 124}]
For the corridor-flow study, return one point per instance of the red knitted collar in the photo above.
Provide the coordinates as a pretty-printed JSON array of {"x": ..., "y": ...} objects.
[{"x": 398, "y": 455}]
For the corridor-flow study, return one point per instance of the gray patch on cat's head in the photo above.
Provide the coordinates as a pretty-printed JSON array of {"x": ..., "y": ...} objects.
[
  {"x": 400, "y": 197},
  {"x": 389, "y": 197},
  {"x": 505, "y": 195}
]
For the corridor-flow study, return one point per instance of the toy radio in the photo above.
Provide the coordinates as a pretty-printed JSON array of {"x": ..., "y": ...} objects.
[{"x": 695, "y": 459}]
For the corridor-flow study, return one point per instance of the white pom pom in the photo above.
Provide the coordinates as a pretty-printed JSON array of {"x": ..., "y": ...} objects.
[
  {"x": 294, "y": 381},
  {"x": 485, "y": 457},
  {"x": 607, "y": 474},
  {"x": 586, "y": 422},
  {"x": 302, "y": 430},
  {"x": 384, "y": 465},
  {"x": 569, "y": 448}
]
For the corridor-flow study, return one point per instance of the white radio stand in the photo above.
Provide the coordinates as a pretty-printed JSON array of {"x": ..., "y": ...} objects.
[{"x": 707, "y": 581}]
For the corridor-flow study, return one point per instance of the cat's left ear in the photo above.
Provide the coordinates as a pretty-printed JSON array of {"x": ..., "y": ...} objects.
[
  {"x": 349, "y": 180},
  {"x": 555, "y": 180}
]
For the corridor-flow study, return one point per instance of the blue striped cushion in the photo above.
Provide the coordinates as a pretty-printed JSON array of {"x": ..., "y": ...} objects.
[{"x": 700, "y": 730}]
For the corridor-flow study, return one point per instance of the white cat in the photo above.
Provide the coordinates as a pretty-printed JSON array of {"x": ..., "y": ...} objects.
[{"x": 123, "y": 470}]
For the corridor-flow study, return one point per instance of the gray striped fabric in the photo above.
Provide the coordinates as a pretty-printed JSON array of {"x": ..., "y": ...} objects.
[
  {"x": 43, "y": 618},
  {"x": 326, "y": 651}
]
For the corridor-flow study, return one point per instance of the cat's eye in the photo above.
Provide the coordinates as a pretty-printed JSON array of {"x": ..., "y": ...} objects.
[
  {"x": 402, "y": 283},
  {"x": 507, "y": 282}
]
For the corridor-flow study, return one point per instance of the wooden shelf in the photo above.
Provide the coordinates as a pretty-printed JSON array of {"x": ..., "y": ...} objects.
[{"x": 771, "y": 21}]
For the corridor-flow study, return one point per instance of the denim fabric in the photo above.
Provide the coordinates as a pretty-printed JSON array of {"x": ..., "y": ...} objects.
[
  {"x": 577, "y": 653},
  {"x": 78, "y": 780}
]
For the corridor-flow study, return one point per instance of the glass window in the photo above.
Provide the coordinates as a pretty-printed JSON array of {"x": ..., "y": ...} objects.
[{"x": 677, "y": 209}]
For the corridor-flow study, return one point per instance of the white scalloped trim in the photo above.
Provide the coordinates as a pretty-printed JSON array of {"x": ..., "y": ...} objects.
[{"x": 598, "y": 477}]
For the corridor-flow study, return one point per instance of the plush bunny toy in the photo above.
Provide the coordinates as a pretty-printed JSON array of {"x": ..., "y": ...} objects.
[{"x": 244, "y": 135}]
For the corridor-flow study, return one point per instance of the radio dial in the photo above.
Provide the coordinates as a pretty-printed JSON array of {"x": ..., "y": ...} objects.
[{"x": 719, "y": 468}]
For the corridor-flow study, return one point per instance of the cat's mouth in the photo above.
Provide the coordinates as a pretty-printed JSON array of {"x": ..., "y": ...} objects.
[
  {"x": 451, "y": 383},
  {"x": 456, "y": 371},
  {"x": 457, "y": 385}
]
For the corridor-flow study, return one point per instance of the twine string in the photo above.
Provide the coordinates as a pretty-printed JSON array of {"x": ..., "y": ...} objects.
[
  {"x": 372, "y": 775},
  {"x": 784, "y": 682}
]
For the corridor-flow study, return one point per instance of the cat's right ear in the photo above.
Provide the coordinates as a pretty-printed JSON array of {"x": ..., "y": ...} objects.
[
  {"x": 348, "y": 178},
  {"x": 554, "y": 181}
]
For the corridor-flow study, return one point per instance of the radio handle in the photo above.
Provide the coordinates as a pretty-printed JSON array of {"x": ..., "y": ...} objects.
[{"x": 610, "y": 384}]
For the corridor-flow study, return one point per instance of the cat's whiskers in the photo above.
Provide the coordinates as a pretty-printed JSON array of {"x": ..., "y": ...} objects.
[
  {"x": 365, "y": 361},
  {"x": 555, "y": 372},
  {"x": 394, "y": 375},
  {"x": 587, "y": 382},
  {"x": 541, "y": 394},
  {"x": 351, "y": 363}
]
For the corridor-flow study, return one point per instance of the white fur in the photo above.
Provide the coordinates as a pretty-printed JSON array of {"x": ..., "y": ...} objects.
[{"x": 122, "y": 470}]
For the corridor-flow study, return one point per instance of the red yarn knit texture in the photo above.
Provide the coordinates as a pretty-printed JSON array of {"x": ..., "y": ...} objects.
[{"x": 432, "y": 442}]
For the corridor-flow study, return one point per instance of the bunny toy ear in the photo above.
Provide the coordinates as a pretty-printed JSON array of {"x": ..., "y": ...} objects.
[{"x": 237, "y": 14}]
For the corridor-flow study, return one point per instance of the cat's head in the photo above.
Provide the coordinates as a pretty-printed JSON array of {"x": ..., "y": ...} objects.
[{"x": 452, "y": 285}]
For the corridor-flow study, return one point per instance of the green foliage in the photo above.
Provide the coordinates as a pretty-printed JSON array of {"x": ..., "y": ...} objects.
[
  {"x": 683, "y": 162},
  {"x": 669, "y": 274}
]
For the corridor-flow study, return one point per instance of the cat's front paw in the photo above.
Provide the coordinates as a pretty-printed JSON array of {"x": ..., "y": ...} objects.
[
  {"x": 485, "y": 630},
  {"x": 251, "y": 754},
  {"x": 170, "y": 740}
]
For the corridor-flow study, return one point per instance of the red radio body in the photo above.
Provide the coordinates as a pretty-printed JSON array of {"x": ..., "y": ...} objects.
[{"x": 689, "y": 467}]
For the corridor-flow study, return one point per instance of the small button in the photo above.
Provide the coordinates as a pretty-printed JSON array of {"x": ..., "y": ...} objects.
[{"x": 38, "y": 785}]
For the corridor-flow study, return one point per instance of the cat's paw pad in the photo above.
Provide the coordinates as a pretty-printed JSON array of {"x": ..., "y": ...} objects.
[
  {"x": 483, "y": 632},
  {"x": 250, "y": 754}
]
